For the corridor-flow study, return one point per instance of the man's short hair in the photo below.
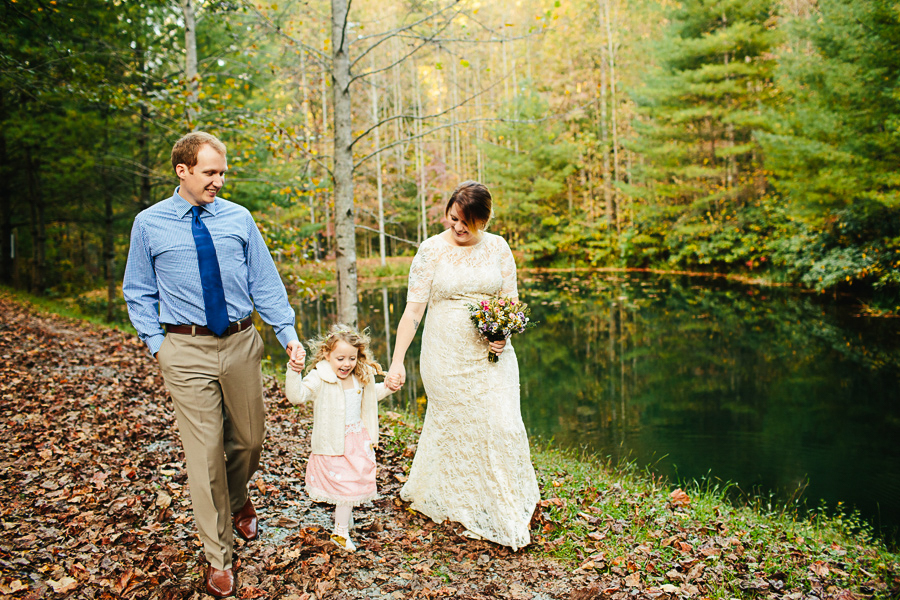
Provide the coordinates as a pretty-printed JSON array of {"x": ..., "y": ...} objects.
[{"x": 185, "y": 150}]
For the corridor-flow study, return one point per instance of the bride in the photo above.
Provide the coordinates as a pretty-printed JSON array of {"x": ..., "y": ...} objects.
[{"x": 472, "y": 463}]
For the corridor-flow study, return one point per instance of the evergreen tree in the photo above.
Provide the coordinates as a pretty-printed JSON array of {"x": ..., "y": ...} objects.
[
  {"x": 529, "y": 166},
  {"x": 701, "y": 166},
  {"x": 835, "y": 147}
]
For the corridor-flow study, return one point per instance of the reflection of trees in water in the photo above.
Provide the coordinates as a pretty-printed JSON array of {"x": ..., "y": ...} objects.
[{"x": 616, "y": 353}]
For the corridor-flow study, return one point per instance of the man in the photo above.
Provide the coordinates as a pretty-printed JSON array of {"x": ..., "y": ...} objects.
[{"x": 197, "y": 268}]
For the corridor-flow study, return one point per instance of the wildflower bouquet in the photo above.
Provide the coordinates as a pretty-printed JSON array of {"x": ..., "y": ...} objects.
[{"x": 498, "y": 318}]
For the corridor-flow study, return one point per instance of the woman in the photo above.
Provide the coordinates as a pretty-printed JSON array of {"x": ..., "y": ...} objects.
[{"x": 472, "y": 464}]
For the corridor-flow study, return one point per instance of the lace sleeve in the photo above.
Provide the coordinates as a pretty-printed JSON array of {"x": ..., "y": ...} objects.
[
  {"x": 421, "y": 273},
  {"x": 508, "y": 270}
]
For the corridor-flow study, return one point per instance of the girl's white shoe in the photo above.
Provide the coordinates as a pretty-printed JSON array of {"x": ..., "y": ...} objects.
[{"x": 342, "y": 542}]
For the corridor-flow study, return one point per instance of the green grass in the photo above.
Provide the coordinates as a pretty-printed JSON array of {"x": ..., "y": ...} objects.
[
  {"x": 622, "y": 521},
  {"x": 89, "y": 306},
  {"x": 625, "y": 522}
]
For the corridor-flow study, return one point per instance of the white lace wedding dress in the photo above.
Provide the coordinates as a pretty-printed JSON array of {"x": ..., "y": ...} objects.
[{"x": 472, "y": 463}]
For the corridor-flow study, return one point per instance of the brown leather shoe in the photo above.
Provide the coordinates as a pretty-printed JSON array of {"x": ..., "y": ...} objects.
[
  {"x": 219, "y": 583},
  {"x": 245, "y": 522}
]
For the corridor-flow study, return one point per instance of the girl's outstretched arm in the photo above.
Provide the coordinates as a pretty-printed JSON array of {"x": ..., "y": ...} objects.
[
  {"x": 383, "y": 390},
  {"x": 299, "y": 391}
]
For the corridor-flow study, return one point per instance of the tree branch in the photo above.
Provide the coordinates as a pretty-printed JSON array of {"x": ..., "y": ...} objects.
[
  {"x": 422, "y": 118},
  {"x": 425, "y": 41},
  {"x": 344, "y": 31},
  {"x": 386, "y": 234},
  {"x": 277, "y": 28},
  {"x": 389, "y": 34},
  {"x": 465, "y": 121},
  {"x": 488, "y": 41},
  {"x": 309, "y": 155}
]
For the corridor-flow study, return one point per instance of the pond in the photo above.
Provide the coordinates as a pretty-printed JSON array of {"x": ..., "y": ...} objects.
[{"x": 780, "y": 392}]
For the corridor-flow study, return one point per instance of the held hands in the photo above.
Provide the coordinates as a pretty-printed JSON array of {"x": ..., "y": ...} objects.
[
  {"x": 395, "y": 377},
  {"x": 497, "y": 347},
  {"x": 298, "y": 356}
]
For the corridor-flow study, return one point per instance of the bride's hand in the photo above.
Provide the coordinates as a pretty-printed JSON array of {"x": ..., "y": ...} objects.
[
  {"x": 396, "y": 376},
  {"x": 497, "y": 347}
]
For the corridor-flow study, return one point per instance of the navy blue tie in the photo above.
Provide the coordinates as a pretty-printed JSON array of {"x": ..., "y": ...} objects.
[{"x": 210, "y": 277}]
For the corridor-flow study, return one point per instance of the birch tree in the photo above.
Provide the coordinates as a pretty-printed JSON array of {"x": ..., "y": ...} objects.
[{"x": 190, "y": 61}]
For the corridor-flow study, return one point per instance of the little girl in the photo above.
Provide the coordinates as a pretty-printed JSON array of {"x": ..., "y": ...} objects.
[{"x": 345, "y": 397}]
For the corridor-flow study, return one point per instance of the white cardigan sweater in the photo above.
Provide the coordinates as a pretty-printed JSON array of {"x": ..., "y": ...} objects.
[{"x": 323, "y": 388}]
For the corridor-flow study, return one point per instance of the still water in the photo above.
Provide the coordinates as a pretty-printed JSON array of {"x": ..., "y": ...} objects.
[{"x": 772, "y": 389}]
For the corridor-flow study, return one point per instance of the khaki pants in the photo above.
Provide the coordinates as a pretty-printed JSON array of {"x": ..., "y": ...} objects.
[{"x": 216, "y": 385}]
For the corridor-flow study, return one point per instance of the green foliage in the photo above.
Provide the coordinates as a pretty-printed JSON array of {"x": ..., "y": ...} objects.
[
  {"x": 78, "y": 95},
  {"x": 834, "y": 148},
  {"x": 856, "y": 247},
  {"x": 836, "y": 143},
  {"x": 530, "y": 164},
  {"x": 701, "y": 175},
  {"x": 753, "y": 141}
]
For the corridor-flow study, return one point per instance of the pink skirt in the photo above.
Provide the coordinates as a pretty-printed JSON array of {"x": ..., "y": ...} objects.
[{"x": 348, "y": 479}]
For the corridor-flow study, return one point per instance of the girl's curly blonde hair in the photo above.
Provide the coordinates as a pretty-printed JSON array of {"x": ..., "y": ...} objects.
[{"x": 320, "y": 347}]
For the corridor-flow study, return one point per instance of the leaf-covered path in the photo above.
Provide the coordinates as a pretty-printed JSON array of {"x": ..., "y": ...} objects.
[{"x": 94, "y": 500}]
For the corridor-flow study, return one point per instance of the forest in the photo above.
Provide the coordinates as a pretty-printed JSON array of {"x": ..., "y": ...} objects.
[{"x": 751, "y": 137}]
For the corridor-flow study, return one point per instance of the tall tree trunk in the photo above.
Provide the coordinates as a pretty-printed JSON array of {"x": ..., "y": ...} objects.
[
  {"x": 730, "y": 162},
  {"x": 146, "y": 186},
  {"x": 326, "y": 242},
  {"x": 109, "y": 247},
  {"x": 515, "y": 101},
  {"x": 324, "y": 91},
  {"x": 344, "y": 210},
  {"x": 304, "y": 104},
  {"x": 143, "y": 137},
  {"x": 109, "y": 254},
  {"x": 307, "y": 140},
  {"x": 479, "y": 113},
  {"x": 6, "y": 230},
  {"x": 38, "y": 230},
  {"x": 397, "y": 92},
  {"x": 610, "y": 209},
  {"x": 386, "y": 309},
  {"x": 505, "y": 82},
  {"x": 612, "y": 100},
  {"x": 420, "y": 155},
  {"x": 454, "y": 129},
  {"x": 381, "y": 247},
  {"x": 190, "y": 62}
]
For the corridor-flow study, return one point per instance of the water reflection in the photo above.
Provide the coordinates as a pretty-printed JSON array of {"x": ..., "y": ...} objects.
[{"x": 768, "y": 388}]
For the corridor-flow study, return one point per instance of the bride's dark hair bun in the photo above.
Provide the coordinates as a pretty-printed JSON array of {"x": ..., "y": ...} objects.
[{"x": 473, "y": 202}]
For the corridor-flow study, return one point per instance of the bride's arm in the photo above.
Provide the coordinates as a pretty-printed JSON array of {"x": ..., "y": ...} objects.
[
  {"x": 406, "y": 331},
  {"x": 510, "y": 287}
]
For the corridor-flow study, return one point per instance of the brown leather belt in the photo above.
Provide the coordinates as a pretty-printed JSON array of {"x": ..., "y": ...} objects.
[{"x": 201, "y": 330}]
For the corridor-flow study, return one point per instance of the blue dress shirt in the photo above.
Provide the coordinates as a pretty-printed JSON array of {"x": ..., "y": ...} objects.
[{"x": 162, "y": 277}]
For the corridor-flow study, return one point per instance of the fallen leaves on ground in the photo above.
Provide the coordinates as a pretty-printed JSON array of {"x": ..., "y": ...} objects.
[{"x": 94, "y": 500}]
